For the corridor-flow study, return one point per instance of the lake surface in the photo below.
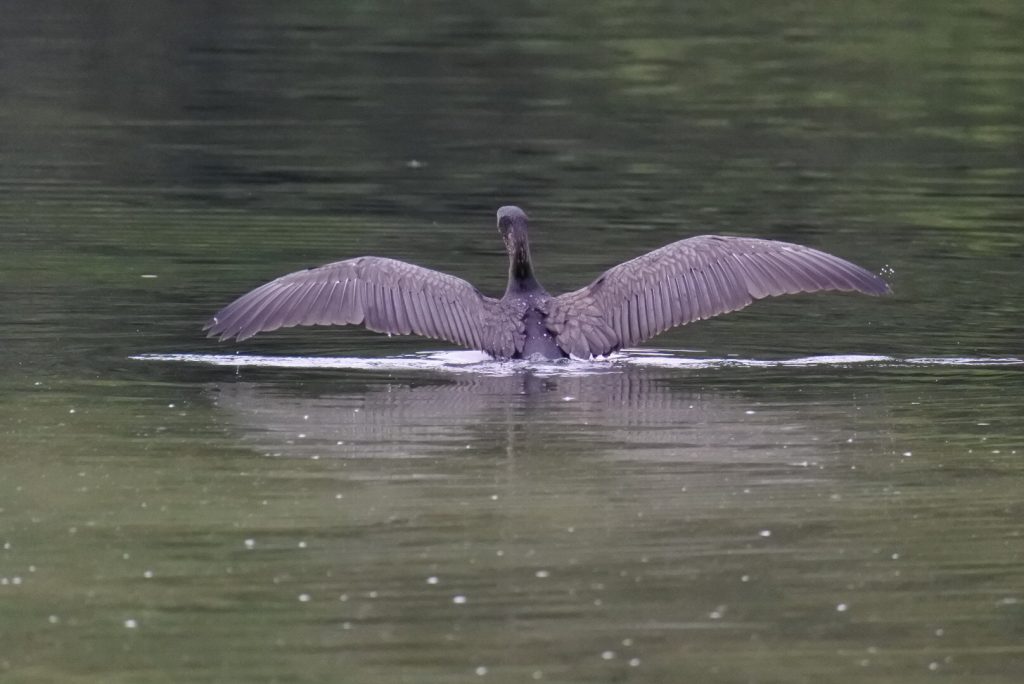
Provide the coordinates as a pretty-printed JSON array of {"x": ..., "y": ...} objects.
[{"x": 823, "y": 488}]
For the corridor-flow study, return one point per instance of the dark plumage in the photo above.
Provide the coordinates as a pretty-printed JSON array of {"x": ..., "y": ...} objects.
[{"x": 685, "y": 281}]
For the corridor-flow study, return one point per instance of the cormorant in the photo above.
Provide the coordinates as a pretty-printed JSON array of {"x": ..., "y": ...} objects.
[{"x": 682, "y": 282}]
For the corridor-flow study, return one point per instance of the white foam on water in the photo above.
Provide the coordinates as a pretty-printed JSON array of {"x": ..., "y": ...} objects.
[{"x": 480, "y": 363}]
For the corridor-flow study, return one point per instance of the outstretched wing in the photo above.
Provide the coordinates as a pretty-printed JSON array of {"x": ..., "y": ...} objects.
[
  {"x": 691, "y": 280},
  {"x": 385, "y": 295}
]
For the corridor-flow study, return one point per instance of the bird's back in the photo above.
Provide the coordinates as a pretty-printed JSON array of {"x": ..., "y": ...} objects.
[{"x": 538, "y": 341}]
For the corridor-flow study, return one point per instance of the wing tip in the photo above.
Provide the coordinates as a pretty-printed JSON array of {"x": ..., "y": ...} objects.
[
  {"x": 213, "y": 328},
  {"x": 879, "y": 287}
]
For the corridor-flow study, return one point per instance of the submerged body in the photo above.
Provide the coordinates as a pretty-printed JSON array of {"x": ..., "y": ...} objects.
[{"x": 684, "y": 281}]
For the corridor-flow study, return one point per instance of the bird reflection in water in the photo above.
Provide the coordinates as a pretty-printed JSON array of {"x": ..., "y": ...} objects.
[{"x": 626, "y": 413}]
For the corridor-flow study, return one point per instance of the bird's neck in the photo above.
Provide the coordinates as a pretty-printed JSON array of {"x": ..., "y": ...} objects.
[{"x": 520, "y": 270}]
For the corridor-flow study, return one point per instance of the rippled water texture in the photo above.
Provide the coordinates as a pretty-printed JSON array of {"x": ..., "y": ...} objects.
[{"x": 822, "y": 488}]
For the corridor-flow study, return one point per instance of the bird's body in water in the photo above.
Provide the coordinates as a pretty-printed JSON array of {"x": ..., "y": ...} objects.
[{"x": 684, "y": 281}]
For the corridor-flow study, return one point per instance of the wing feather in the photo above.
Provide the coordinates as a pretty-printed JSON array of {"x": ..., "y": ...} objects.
[
  {"x": 385, "y": 295},
  {"x": 643, "y": 305},
  {"x": 666, "y": 305},
  {"x": 318, "y": 295},
  {"x": 448, "y": 320},
  {"x": 690, "y": 280},
  {"x": 634, "y": 318},
  {"x": 411, "y": 311},
  {"x": 701, "y": 290},
  {"x": 259, "y": 296}
]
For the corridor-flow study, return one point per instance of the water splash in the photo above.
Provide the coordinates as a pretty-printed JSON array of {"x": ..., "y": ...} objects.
[{"x": 480, "y": 363}]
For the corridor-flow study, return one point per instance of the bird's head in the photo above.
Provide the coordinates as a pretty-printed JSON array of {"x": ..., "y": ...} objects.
[{"x": 512, "y": 225}]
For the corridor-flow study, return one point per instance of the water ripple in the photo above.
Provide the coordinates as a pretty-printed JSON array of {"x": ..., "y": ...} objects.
[{"x": 480, "y": 363}]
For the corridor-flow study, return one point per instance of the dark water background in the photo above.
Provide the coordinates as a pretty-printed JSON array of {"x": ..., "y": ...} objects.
[{"x": 169, "y": 521}]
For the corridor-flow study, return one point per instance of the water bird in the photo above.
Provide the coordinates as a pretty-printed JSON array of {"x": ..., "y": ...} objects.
[{"x": 685, "y": 281}]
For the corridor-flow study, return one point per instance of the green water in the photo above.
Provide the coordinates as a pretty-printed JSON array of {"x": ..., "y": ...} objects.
[{"x": 843, "y": 521}]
